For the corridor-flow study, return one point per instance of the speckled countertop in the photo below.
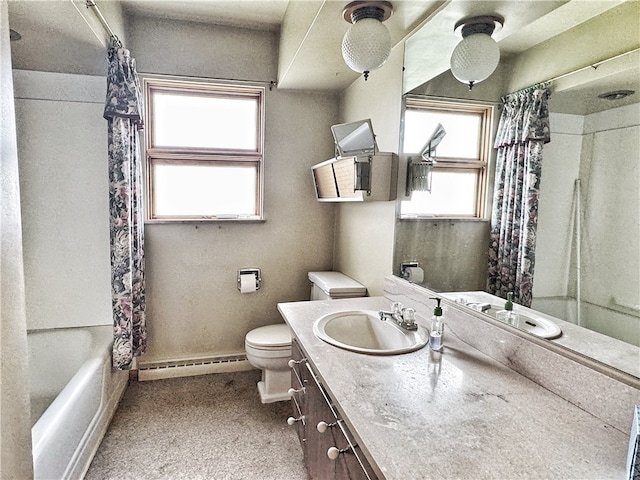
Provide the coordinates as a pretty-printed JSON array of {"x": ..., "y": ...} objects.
[
  {"x": 608, "y": 350},
  {"x": 458, "y": 414}
]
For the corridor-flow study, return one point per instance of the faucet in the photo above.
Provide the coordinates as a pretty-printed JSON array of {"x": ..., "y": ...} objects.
[
  {"x": 403, "y": 317},
  {"x": 480, "y": 307},
  {"x": 477, "y": 306}
]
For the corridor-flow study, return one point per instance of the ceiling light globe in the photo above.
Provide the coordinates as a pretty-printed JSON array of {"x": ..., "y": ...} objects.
[
  {"x": 366, "y": 45},
  {"x": 475, "y": 58}
]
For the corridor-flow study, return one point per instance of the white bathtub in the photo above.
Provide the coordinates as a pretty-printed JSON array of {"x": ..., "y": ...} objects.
[
  {"x": 616, "y": 324},
  {"x": 74, "y": 394}
]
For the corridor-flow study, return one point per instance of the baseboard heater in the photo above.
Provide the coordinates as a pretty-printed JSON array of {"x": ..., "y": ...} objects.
[{"x": 192, "y": 367}]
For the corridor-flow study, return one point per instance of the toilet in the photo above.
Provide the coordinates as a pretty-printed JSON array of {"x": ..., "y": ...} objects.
[{"x": 269, "y": 348}]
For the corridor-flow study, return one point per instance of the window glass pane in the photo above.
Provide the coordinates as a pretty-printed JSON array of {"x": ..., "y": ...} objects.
[
  {"x": 204, "y": 189},
  {"x": 204, "y": 121},
  {"x": 461, "y": 140},
  {"x": 452, "y": 193}
]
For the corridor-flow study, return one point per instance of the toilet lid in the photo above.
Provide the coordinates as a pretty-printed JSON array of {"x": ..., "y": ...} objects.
[
  {"x": 270, "y": 336},
  {"x": 337, "y": 284}
]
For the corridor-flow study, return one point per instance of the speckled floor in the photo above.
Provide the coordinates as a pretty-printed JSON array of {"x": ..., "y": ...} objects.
[{"x": 204, "y": 427}]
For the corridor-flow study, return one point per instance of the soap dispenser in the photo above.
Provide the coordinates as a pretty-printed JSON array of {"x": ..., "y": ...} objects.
[
  {"x": 508, "y": 315},
  {"x": 437, "y": 328}
]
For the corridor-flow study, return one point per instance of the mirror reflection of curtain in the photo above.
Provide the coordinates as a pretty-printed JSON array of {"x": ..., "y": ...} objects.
[
  {"x": 522, "y": 131},
  {"x": 124, "y": 113}
]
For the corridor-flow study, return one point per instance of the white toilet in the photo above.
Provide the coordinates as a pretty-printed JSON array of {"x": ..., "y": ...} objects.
[{"x": 269, "y": 348}]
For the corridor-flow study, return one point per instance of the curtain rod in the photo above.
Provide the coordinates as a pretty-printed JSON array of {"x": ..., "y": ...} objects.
[
  {"x": 103, "y": 21},
  {"x": 530, "y": 88},
  {"x": 548, "y": 83},
  {"x": 270, "y": 83}
]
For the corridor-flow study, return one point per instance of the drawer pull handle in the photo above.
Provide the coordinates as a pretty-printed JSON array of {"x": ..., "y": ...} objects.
[
  {"x": 293, "y": 391},
  {"x": 292, "y": 363},
  {"x": 323, "y": 426},
  {"x": 293, "y": 420},
  {"x": 334, "y": 452}
]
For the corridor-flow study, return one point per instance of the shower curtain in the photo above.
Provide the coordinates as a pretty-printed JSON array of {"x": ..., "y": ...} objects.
[
  {"x": 124, "y": 114},
  {"x": 522, "y": 131}
]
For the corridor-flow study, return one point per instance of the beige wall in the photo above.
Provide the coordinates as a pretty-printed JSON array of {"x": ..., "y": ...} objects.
[
  {"x": 452, "y": 253},
  {"x": 612, "y": 33},
  {"x": 62, "y": 144},
  {"x": 194, "y": 306},
  {"x": 365, "y": 231},
  {"x": 15, "y": 424}
]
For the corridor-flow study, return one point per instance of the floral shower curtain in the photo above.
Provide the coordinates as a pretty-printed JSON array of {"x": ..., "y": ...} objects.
[
  {"x": 522, "y": 131},
  {"x": 124, "y": 114}
]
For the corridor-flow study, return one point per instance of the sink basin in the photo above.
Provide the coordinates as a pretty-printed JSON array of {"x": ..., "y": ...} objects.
[
  {"x": 538, "y": 326},
  {"x": 362, "y": 331},
  {"x": 531, "y": 321}
]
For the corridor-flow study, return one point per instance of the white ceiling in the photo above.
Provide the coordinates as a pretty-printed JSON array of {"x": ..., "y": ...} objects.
[
  {"x": 264, "y": 15},
  {"x": 63, "y": 35}
]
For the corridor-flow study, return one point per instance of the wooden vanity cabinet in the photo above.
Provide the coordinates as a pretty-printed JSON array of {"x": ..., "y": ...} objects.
[{"x": 311, "y": 406}]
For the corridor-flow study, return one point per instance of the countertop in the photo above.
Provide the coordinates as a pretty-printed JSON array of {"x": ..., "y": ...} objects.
[
  {"x": 608, "y": 350},
  {"x": 456, "y": 414}
]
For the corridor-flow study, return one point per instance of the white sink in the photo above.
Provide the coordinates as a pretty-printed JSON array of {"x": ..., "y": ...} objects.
[
  {"x": 529, "y": 320},
  {"x": 362, "y": 331},
  {"x": 534, "y": 324}
]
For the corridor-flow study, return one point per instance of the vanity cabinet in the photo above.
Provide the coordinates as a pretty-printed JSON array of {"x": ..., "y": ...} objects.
[{"x": 330, "y": 452}]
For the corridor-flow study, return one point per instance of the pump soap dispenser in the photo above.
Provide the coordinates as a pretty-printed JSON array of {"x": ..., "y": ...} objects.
[
  {"x": 437, "y": 328},
  {"x": 508, "y": 315}
]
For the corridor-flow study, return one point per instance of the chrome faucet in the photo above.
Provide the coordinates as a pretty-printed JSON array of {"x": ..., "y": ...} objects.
[
  {"x": 477, "y": 306},
  {"x": 403, "y": 317},
  {"x": 480, "y": 307}
]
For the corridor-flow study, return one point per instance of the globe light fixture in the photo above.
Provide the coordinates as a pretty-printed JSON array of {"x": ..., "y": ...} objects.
[
  {"x": 367, "y": 44},
  {"x": 476, "y": 57}
]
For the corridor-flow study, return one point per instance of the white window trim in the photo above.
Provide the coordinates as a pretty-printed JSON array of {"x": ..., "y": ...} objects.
[{"x": 164, "y": 82}]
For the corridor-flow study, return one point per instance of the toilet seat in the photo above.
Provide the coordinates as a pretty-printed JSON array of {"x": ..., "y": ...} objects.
[{"x": 270, "y": 337}]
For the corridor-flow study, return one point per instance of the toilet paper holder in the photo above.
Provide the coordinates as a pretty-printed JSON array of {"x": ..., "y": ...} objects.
[
  {"x": 403, "y": 268},
  {"x": 254, "y": 271}
]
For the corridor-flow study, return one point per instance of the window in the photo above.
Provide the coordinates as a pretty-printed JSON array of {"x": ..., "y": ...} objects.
[
  {"x": 203, "y": 151},
  {"x": 459, "y": 176}
]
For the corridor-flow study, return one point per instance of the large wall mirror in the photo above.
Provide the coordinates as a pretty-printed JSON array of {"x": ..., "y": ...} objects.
[{"x": 587, "y": 269}]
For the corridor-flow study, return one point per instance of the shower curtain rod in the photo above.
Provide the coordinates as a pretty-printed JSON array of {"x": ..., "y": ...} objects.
[
  {"x": 103, "y": 21},
  {"x": 528, "y": 89},
  {"x": 547, "y": 83}
]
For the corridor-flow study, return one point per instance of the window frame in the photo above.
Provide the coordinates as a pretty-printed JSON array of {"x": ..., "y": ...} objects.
[
  {"x": 154, "y": 155},
  {"x": 487, "y": 112}
]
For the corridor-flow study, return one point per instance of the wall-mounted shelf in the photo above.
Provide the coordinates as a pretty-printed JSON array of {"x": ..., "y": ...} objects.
[{"x": 364, "y": 178}]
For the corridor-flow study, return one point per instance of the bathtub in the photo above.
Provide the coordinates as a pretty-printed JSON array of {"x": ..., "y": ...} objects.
[
  {"x": 608, "y": 321},
  {"x": 74, "y": 394}
]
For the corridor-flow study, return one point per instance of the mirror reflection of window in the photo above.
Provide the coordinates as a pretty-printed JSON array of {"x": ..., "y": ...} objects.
[
  {"x": 460, "y": 173},
  {"x": 452, "y": 193}
]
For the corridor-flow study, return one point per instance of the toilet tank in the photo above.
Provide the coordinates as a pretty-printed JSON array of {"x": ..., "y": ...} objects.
[{"x": 332, "y": 285}]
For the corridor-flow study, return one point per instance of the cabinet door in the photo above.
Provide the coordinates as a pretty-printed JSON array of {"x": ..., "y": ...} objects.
[
  {"x": 313, "y": 405},
  {"x": 351, "y": 464},
  {"x": 319, "y": 466}
]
